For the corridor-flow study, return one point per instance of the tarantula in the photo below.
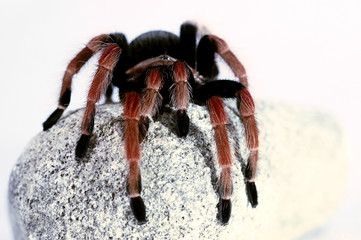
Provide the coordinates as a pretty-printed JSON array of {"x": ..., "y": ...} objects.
[{"x": 159, "y": 68}]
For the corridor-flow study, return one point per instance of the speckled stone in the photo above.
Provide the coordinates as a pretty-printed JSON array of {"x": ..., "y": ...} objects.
[{"x": 301, "y": 176}]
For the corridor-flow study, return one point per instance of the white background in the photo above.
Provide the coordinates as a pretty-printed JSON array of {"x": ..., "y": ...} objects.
[{"x": 303, "y": 52}]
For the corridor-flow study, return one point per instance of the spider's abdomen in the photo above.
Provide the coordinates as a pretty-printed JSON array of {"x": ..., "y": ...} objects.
[
  {"x": 153, "y": 44},
  {"x": 145, "y": 46}
]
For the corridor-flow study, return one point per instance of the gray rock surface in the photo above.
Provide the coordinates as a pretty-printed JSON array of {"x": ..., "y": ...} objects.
[{"x": 301, "y": 176}]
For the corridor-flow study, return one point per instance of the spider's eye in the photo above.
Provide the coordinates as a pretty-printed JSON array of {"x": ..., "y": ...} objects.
[{"x": 165, "y": 57}]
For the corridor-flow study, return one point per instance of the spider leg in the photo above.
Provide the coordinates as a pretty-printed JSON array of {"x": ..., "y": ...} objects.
[
  {"x": 218, "y": 45},
  {"x": 181, "y": 94},
  {"x": 206, "y": 64},
  {"x": 218, "y": 121},
  {"x": 100, "y": 83},
  {"x": 219, "y": 88},
  {"x": 188, "y": 35},
  {"x": 73, "y": 67},
  {"x": 151, "y": 99},
  {"x": 247, "y": 110},
  {"x": 208, "y": 46},
  {"x": 132, "y": 116}
]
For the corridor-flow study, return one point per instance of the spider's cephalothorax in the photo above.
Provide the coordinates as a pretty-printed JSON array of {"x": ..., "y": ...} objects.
[{"x": 158, "y": 68}]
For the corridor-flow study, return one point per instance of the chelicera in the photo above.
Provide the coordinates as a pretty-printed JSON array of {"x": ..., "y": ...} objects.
[{"x": 159, "y": 68}]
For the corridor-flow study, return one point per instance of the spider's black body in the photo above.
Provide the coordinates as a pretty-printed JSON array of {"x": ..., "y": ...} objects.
[
  {"x": 147, "y": 45},
  {"x": 159, "y": 68},
  {"x": 156, "y": 43}
]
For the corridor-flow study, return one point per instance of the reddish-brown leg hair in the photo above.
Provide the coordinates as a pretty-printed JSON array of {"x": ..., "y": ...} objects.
[
  {"x": 100, "y": 83},
  {"x": 151, "y": 99},
  {"x": 181, "y": 94},
  {"x": 78, "y": 62},
  {"x": 247, "y": 110},
  {"x": 131, "y": 115},
  {"x": 218, "y": 121},
  {"x": 74, "y": 66},
  {"x": 229, "y": 57},
  {"x": 181, "y": 87}
]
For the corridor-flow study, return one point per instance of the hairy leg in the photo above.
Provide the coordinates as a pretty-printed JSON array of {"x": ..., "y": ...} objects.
[
  {"x": 221, "y": 48},
  {"x": 132, "y": 115},
  {"x": 151, "y": 99},
  {"x": 73, "y": 67},
  {"x": 218, "y": 121},
  {"x": 100, "y": 83},
  {"x": 181, "y": 94},
  {"x": 247, "y": 110},
  {"x": 208, "y": 46}
]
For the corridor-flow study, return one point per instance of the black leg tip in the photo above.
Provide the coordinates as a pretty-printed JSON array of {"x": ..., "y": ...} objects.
[
  {"x": 224, "y": 210},
  {"x": 251, "y": 191},
  {"x": 183, "y": 123},
  {"x": 82, "y": 146},
  {"x": 248, "y": 172},
  {"x": 52, "y": 119},
  {"x": 138, "y": 209}
]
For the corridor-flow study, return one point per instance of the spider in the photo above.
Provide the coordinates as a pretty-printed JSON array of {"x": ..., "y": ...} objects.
[{"x": 159, "y": 68}]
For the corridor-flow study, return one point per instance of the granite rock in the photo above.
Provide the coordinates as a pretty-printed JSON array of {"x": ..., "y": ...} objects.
[{"x": 301, "y": 178}]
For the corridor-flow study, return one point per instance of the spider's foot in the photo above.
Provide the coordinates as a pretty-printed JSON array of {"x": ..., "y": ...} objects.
[
  {"x": 251, "y": 191},
  {"x": 52, "y": 119},
  {"x": 224, "y": 210},
  {"x": 183, "y": 123},
  {"x": 138, "y": 209},
  {"x": 82, "y": 146}
]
